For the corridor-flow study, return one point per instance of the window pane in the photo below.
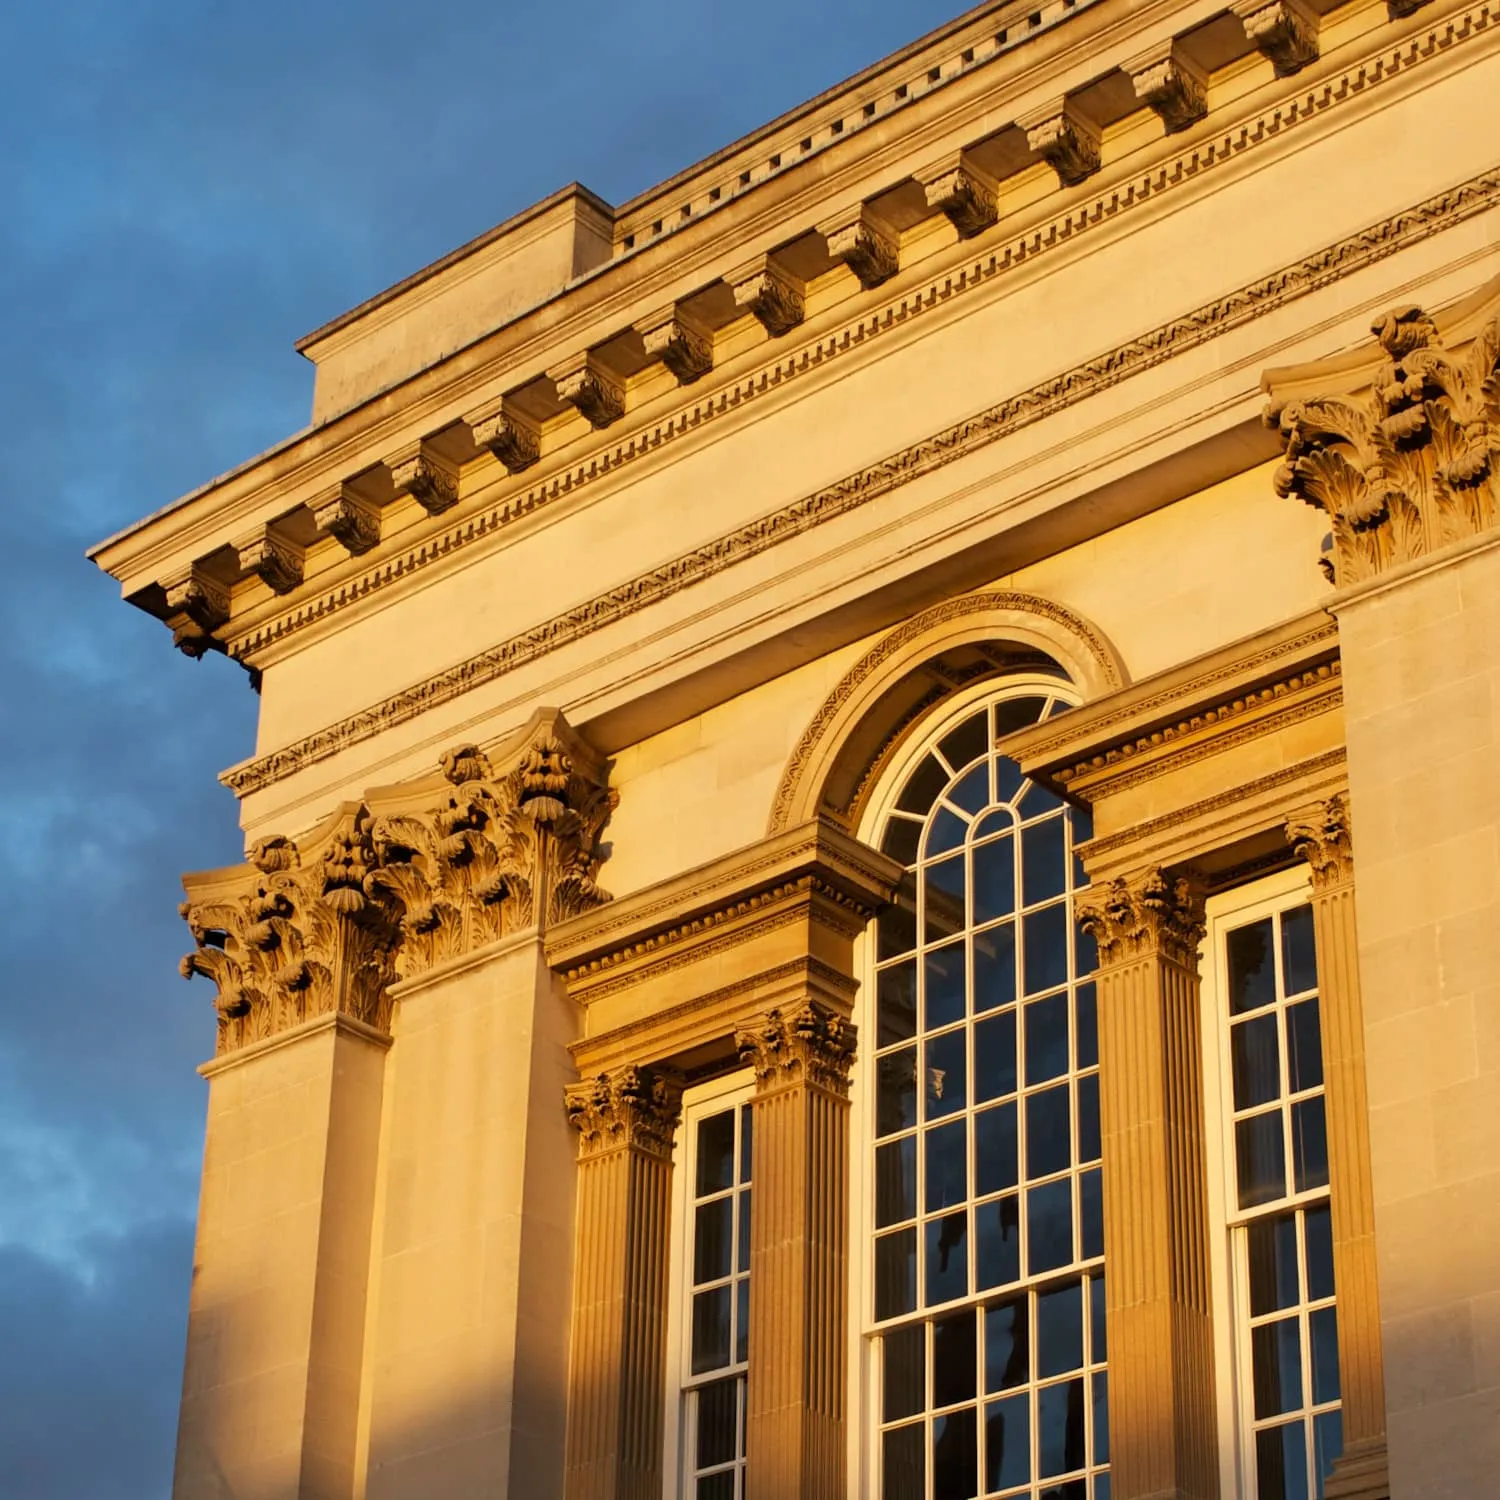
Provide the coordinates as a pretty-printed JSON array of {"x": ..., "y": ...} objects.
[
  {"x": 1276, "y": 1367},
  {"x": 1088, "y": 1118},
  {"x": 1060, "y": 1428},
  {"x": 896, "y": 926},
  {"x": 943, "y": 893},
  {"x": 711, "y": 1330},
  {"x": 1036, "y": 800},
  {"x": 946, "y": 1150},
  {"x": 895, "y": 1182},
  {"x": 713, "y": 1239},
  {"x": 1046, "y": 1039},
  {"x": 1085, "y": 944},
  {"x": 896, "y": 1003},
  {"x": 718, "y": 1486},
  {"x": 1007, "y": 1443},
  {"x": 1059, "y": 1330},
  {"x": 1087, "y": 1035},
  {"x": 742, "y": 1320},
  {"x": 954, "y": 1356},
  {"x": 1007, "y": 1359},
  {"x": 1091, "y": 1210},
  {"x": 1299, "y": 955},
  {"x": 1098, "y": 1337},
  {"x": 995, "y": 1057},
  {"x": 1044, "y": 872},
  {"x": 1272, "y": 1252},
  {"x": 1318, "y": 1229},
  {"x": 905, "y": 1383},
  {"x": 1046, "y": 942},
  {"x": 1049, "y": 1226},
  {"x": 896, "y": 1273},
  {"x": 999, "y": 1242},
  {"x": 944, "y": 1070},
  {"x": 1328, "y": 1443},
  {"x": 1101, "y": 1419},
  {"x": 947, "y": 1258},
  {"x": 1304, "y": 1046},
  {"x": 994, "y": 879},
  {"x": 743, "y": 1258},
  {"x": 973, "y": 791},
  {"x": 1048, "y": 1118},
  {"x": 715, "y": 1153},
  {"x": 995, "y": 1153},
  {"x": 955, "y": 1456},
  {"x": 1252, "y": 969},
  {"x": 718, "y": 1413},
  {"x": 747, "y": 1132},
  {"x": 1323, "y": 1334},
  {"x": 1309, "y": 1144},
  {"x": 1260, "y": 1157},
  {"x": 1281, "y": 1463},
  {"x": 948, "y": 831},
  {"x": 904, "y": 1463},
  {"x": 968, "y": 742},
  {"x": 995, "y": 967},
  {"x": 896, "y": 1091},
  {"x": 1017, "y": 713},
  {"x": 944, "y": 981},
  {"x": 900, "y": 841},
  {"x": 922, "y": 786},
  {"x": 1255, "y": 1054}
]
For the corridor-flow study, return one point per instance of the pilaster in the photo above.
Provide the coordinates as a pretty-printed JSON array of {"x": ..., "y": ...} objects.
[
  {"x": 1163, "y": 1441},
  {"x": 1321, "y": 836},
  {"x": 625, "y": 1122},
  {"x": 796, "y": 1420}
]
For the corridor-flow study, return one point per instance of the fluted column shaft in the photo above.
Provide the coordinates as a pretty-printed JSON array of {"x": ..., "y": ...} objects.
[
  {"x": 617, "y": 1372},
  {"x": 1321, "y": 835},
  {"x": 796, "y": 1420},
  {"x": 1157, "y": 1306}
]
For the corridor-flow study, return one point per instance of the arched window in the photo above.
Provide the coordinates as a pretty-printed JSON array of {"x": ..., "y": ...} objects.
[{"x": 984, "y": 1289}]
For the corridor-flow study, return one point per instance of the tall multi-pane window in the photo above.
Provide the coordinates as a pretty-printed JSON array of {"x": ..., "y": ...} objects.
[
  {"x": 717, "y": 1316},
  {"x": 1280, "y": 1250},
  {"x": 986, "y": 1303}
]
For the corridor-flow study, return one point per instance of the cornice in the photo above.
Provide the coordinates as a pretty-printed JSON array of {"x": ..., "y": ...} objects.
[
  {"x": 265, "y": 624},
  {"x": 1153, "y": 347}
]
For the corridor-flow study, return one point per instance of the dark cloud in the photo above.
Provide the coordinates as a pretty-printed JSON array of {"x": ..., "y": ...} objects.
[{"x": 189, "y": 186}]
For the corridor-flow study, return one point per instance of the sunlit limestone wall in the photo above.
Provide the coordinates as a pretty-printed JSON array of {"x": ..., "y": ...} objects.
[
  {"x": 1208, "y": 570},
  {"x": 1422, "y": 706}
]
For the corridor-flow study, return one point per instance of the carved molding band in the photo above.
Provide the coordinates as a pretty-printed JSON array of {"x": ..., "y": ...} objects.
[
  {"x": 812, "y": 1045},
  {"x": 1321, "y": 835},
  {"x": 1151, "y": 912},
  {"x": 409, "y": 878},
  {"x": 1408, "y": 468},
  {"x": 631, "y": 1109}
]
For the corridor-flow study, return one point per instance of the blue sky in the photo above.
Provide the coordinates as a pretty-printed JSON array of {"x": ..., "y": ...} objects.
[{"x": 189, "y": 187}]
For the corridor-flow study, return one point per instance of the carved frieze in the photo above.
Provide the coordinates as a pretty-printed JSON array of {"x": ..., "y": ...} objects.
[
  {"x": 1150, "y": 912},
  {"x": 630, "y": 1109},
  {"x": 1410, "y": 466},
  {"x": 812, "y": 1044},
  {"x": 1321, "y": 836},
  {"x": 412, "y": 876},
  {"x": 1283, "y": 30}
]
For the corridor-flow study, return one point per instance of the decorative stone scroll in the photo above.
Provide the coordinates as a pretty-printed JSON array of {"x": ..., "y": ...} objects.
[
  {"x": 1409, "y": 467},
  {"x": 413, "y": 876},
  {"x": 1146, "y": 913}
]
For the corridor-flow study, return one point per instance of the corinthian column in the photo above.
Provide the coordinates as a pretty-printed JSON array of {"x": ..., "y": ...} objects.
[
  {"x": 1162, "y": 1438},
  {"x": 625, "y": 1123},
  {"x": 795, "y": 1430},
  {"x": 1321, "y": 836}
]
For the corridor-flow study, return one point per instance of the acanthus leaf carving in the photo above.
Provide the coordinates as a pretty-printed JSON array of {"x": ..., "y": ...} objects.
[
  {"x": 633, "y": 1108},
  {"x": 1321, "y": 835},
  {"x": 1408, "y": 467},
  {"x": 1149, "y": 912},
  {"x": 812, "y": 1044}
]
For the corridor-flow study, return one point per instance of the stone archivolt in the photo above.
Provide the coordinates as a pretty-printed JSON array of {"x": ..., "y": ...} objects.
[
  {"x": 1410, "y": 466},
  {"x": 1148, "y": 912},
  {"x": 399, "y": 883}
]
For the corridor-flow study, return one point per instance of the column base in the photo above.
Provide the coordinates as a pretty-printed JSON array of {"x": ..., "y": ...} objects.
[{"x": 1362, "y": 1472}]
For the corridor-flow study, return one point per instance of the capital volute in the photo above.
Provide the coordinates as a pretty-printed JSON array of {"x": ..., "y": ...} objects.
[
  {"x": 811, "y": 1044},
  {"x": 633, "y": 1108},
  {"x": 1150, "y": 912},
  {"x": 1321, "y": 835}
]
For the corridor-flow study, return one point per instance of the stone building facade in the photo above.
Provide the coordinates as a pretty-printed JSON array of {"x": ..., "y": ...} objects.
[{"x": 934, "y": 678}]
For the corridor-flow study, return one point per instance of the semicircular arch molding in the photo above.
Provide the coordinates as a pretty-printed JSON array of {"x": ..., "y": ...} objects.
[{"x": 918, "y": 665}]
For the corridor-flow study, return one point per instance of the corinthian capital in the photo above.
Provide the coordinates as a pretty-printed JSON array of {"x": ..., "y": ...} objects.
[
  {"x": 631, "y": 1109},
  {"x": 1320, "y": 834},
  {"x": 811, "y": 1044},
  {"x": 1151, "y": 912}
]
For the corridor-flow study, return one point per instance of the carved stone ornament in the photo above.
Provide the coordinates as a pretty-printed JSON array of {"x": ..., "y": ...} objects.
[
  {"x": 1173, "y": 88},
  {"x": 472, "y": 856},
  {"x": 772, "y": 298},
  {"x": 1136, "y": 915},
  {"x": 300, "y": 939},
  {"x": 197, "y": 605},
  {"x": 1409, "y": 467},
  {"x": 591, "y": 391},
  {"x": 514, "y": 441},
  {"x": 1065, "y": 141},
  {"x": 970, "y": 204},
  {"x": 352, "y": 522},
  {"x": 1321, "y": 836},
  {"x": 686, "y": 350},
  {"x": 866, "y": 249},
  {"x": 811, "y": 1044},
  {"x": 1282, "y": 30},
  {"x": 276, "y": 562},
  {"x": 431, "y": 485},
  {"x": 632, "y": 1109}
]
